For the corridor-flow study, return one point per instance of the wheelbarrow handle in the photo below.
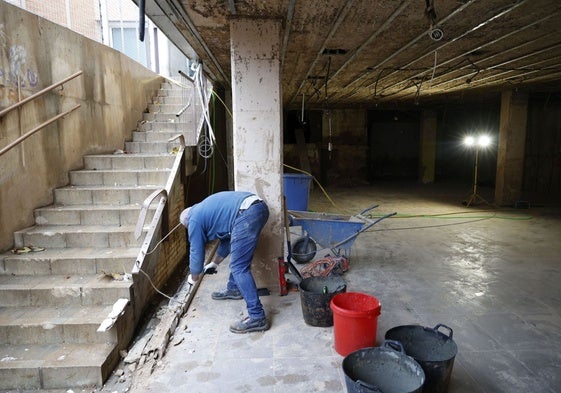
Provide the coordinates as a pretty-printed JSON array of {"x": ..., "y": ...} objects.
[
  {"x": 367, "y": 209},
  {"x": 377, "y": 221},
  {"x": 363, "y": 229}
]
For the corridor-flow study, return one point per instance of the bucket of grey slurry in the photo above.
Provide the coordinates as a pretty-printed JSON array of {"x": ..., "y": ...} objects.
[
  {"x": 315, "y": 296},
  {"x": 433, "y": 349},
  {"x": 383, "y": 369}
]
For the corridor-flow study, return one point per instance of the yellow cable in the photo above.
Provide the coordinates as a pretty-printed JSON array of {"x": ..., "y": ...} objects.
[
  {"x": 318, "y": 183},
  {"x": 220, "y": 99}
]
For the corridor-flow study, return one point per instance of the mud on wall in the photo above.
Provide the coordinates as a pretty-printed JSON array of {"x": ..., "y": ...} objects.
[
  {"x": 336, "y": 148},
  {"x": 113, "y": 92}
]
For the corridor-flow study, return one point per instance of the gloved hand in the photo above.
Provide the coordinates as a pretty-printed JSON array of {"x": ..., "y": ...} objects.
[
  {"x": 190, "y": 280},
  {"x": 210, "y": 268}
]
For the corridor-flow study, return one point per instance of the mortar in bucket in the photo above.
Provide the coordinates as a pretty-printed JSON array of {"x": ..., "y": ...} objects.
[
  {"x": 355, "y": 320},
  {"x": 432, "y": 349},
  {"x": 315, "y": 295},
  {"x": 384, "y": 369}
]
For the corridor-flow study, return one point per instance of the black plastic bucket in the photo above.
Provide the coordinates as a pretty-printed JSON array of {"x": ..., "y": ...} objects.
[
  {"x": 432, "y": 349},
  {"x": 315, "y": 296},
  {"x": 384, "y": 369}
]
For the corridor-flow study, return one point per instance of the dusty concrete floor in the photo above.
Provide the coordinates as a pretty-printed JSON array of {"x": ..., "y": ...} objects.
[{"x": 492, "y": 275}]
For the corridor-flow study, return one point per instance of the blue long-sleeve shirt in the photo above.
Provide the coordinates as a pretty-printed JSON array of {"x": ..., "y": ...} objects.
[{"x": 209, "y": 220}]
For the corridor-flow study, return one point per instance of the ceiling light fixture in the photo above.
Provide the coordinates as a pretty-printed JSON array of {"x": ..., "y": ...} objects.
[{"x": 435, "y": 33}]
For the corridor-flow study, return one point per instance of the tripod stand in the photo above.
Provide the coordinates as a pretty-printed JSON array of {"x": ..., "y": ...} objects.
[{"x": 475, "y": 197}]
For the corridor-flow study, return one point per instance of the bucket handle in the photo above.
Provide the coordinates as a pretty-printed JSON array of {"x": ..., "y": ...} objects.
[
  {"x": 441, "y": 325},
  {"x": 371, "y": 388},
  {"x": 394, "y": 345}
]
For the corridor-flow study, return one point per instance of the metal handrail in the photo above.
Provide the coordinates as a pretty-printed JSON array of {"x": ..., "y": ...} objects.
[
  {"x": 39, "y": 93},
  {"x": 39, "y": 127}
]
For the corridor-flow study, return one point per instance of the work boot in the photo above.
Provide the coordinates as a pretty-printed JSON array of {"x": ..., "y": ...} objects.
[
  {"x": 248, "y": 324},
  {"x": 227, "y": 294}
]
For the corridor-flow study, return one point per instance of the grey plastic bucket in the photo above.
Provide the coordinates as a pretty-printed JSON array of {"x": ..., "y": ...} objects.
[
  {"x": 384, "y": 369},
  {"x": 315, "y": 296},
  {"x": 432, "y": 349}
]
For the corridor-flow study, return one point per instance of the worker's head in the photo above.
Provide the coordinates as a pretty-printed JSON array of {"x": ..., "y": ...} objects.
[{"x": 184, "y": 216}]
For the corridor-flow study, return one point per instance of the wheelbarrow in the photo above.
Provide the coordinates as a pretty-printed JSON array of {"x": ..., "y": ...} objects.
[{"x": 334, "y": 231}]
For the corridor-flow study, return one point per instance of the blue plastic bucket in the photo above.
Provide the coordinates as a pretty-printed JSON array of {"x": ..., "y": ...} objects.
[{"x": 296, "y": 190}]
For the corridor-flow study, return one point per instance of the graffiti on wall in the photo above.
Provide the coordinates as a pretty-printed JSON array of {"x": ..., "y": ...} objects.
[{"x": 14, "y": 69}]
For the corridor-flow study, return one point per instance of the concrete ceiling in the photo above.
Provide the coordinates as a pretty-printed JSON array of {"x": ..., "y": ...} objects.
[{"x": 341, "y": 53}]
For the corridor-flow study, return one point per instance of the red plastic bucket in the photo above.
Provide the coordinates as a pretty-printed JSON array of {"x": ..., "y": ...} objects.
[{"x": 355, "y": 320}]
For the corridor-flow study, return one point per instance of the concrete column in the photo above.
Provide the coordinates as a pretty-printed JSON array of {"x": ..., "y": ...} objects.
[
  {"x": 511, "y": 148},
  {"x": 427, "y": 146},
  {"x": 257, "y": 131}
]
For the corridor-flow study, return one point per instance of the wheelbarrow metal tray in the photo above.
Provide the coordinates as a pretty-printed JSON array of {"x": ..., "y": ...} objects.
[{"x": 328, "y": 229}]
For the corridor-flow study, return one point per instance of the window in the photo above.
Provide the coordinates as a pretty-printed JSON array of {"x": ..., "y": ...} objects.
[{"x": 125, "y": 39}]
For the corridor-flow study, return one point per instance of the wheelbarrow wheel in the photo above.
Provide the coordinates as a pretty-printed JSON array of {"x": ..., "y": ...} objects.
[{"x": 304, "y": 249}]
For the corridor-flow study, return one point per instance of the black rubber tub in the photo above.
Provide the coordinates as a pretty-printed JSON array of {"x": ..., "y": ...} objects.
[
  {"x": 315, "y": 296},
  {"x": 434, "y": 350},
  {"x": 384, "y": 369}
]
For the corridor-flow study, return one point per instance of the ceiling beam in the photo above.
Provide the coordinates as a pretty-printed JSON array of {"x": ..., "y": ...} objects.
[
  {"x": 462, "y": 57},
  {"x": 463, "y": 35},
  {"x": 338, "y": 20},
  {"x": 287, "y": 29}
]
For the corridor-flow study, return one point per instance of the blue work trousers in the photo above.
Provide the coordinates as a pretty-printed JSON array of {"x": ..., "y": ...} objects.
[{"x": 243, "y": 241}]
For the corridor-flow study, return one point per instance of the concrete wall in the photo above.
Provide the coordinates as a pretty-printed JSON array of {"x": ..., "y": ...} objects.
[
  {"x": 346, "y": 163},
  {"x": 113, "y": 93}
]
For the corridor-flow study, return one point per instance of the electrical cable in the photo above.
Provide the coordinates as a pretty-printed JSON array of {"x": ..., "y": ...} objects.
[
  {"x": 164, "y": 238},
  {"x": 150, "y": 252},
  {"x": 223, "y": 103},
  {"x": 318, "y": 183},
  {"x": 445, "y": 215},
  {"x": 433, "y": 69},
  {"x": 429, "y": 226},
  {"x": 157, "y": 290},
  {"x": 208, "y": 140}
]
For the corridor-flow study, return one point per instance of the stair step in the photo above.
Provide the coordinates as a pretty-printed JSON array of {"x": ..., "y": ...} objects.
[
  {"x": 173, "y": 91},
  {"x": 161, "y": 117},
  {"x": 54, "y": 325},
  {"x": 63, "y": 261},
  {"x": 177, "y": 127},
  {"x": 91, "y": 214},
  {"x": 119, "y": 177},
  {"x": 171, "y": 109},
  {"x": 155, "y": 136},
  {"x": 150, "y": 147},
  {"x": 77, "y": 236},
  {"x": 52, "y": 366},
  {"x": 173, "y": 83},
  {"x": 171, "y": 100},
  {"x": 102, "y": 195},
  {"x": 127, "y": 161},
  {"x": 61, "y": 290}
]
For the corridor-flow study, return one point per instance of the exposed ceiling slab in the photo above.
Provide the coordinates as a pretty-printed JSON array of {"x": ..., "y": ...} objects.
[{"x": 341, "y": 53}]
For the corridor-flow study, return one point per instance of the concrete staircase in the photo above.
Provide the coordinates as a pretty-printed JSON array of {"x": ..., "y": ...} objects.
[{"x": 52, "y": 301}]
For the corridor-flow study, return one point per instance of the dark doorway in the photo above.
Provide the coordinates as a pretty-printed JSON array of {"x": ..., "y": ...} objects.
[{"x": 393, "y": 145}]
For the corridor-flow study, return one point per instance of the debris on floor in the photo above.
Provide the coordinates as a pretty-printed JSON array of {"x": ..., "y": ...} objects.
[{"x": 27, "y": 249}]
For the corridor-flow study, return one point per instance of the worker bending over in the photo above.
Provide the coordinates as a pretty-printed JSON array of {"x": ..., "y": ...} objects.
[{"x": 236, "y": 219}]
